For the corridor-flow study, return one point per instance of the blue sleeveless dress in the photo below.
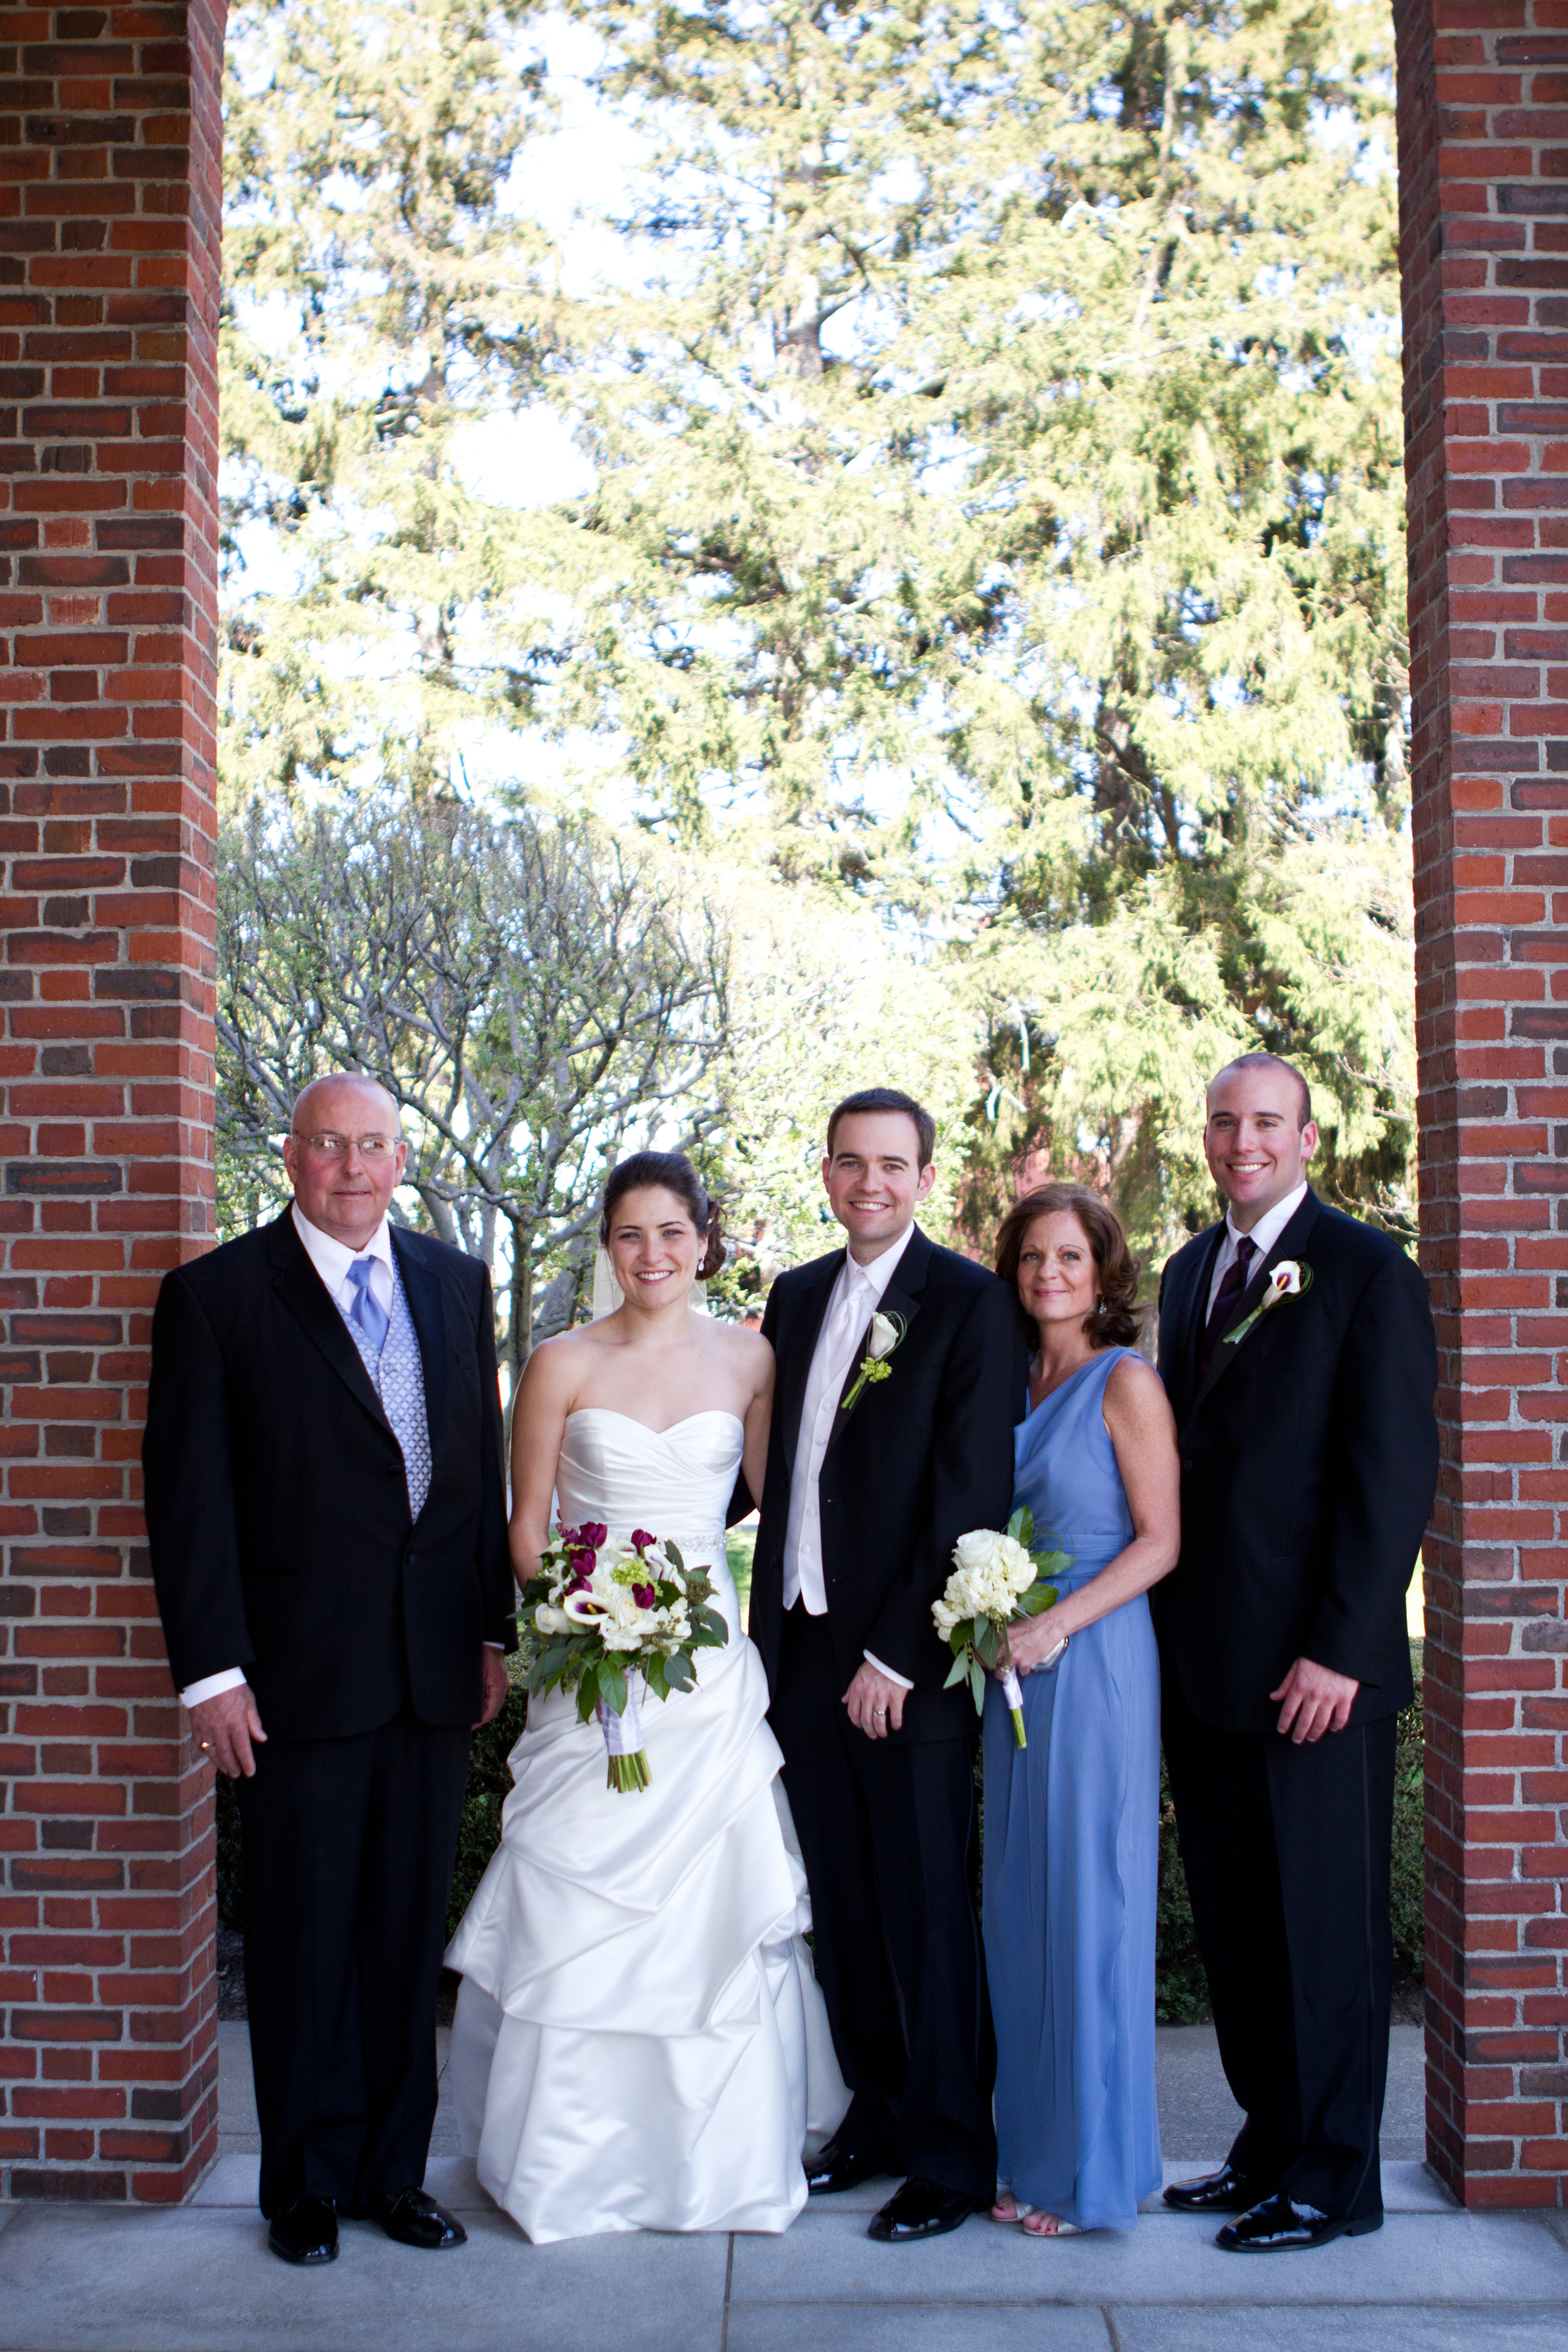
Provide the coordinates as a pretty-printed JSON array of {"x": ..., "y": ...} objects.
[{"x": 1072, "y": 1853}]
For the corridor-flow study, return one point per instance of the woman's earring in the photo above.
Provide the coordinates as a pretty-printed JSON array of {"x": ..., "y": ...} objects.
[{"x": 1099, "y": 1304}]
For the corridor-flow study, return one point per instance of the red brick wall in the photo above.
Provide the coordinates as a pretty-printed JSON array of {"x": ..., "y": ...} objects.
[
  {"x": 1484, "y": 187},
  {"x": 109, "y": 206}
]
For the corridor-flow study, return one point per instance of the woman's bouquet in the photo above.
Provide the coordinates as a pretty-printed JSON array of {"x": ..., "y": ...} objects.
[
  {"x": 607, "y": 1620},
  {"x": 996, "y": 1580}
]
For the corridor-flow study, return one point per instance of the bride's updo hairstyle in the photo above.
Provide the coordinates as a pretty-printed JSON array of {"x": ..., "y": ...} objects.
[
  {"x": 1117, "y": 1318},
  {"x": 669, "y": 1172}
]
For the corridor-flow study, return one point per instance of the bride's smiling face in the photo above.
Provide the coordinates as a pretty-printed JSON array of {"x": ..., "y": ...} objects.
[{"x": 653, "y": 1246}]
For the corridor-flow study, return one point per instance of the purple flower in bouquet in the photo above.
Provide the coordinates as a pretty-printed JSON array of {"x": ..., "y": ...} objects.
[
  {"x": 644, "y": 1595},
  {"x": 642, "y": 1540}
]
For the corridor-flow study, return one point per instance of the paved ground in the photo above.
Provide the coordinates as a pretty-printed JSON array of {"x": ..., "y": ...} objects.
[{"x": 77, "y": 2278}]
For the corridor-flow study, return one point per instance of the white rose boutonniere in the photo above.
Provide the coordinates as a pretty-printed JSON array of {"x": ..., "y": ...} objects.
[
  {"x": 1289, "y": 1279},
  {"x": 885, "y": 1332}
]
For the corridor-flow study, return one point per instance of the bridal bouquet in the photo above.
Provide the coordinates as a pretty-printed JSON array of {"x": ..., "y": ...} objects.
[
  {"x": 996, "y": 1580},
  {"x": 610, "y": 1620}
]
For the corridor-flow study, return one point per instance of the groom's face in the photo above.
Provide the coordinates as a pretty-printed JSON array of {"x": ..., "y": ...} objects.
[{"x": 873, "y": 1176}]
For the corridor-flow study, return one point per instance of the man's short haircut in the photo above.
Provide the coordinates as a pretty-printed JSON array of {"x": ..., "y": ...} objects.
[
  {"x": 875, "y": 1099},
  {"x": 1269, "y": 1062},
  {"x": 338, "y": 1077}
]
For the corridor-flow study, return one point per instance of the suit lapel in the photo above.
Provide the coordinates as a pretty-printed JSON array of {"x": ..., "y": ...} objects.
[
  {"x": 1289, "y": 1245},
  {"x": 423, "y": 1291},
  {"x": 1194, "y": 1307},
  {"x": 798, "y": 1348},
  {"x": 305, "y": 1295},
  {"x": 902, "y": 1299}
]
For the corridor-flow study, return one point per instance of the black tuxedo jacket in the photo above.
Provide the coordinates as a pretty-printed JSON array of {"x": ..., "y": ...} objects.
[
  {"x": 277, "y": 1504},
  {"x": 1309, "y": 1465},
  {"x": 926, "y": 1455}
]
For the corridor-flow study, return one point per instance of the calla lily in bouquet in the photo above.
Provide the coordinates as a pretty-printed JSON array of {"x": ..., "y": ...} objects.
[
  {"x": 610, "y": 1620},
  {"x": 996, "y": 1580}
]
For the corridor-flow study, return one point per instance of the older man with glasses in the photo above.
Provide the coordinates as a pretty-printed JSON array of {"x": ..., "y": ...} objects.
[{"x": 327, "y": 1517}]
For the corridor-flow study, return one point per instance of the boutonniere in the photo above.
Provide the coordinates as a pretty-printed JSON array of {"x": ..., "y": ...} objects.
[
  {"x": 885, "y": 1334},
  {"x": 1289, "y": 1279}
]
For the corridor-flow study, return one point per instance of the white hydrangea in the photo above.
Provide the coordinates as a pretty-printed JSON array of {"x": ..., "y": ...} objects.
[{"x": 991, "y": 1574}]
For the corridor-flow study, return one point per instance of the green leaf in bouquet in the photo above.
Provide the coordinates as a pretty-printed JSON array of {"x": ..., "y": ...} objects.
[
  {"x": 977, "y": 1684},
  {"x": 712, "y": 1630},
  {"x": 679, "y": 1673},
  {"x": 1021, "y": 1526},
  {"x": 613, "y": 1686},
  {"x": 958, "y": 1641},
  {"x": 960, "y": 1669},
  {"x": 654, "y": 1675},
  {"x": 672, "y": 1554},
  {"x": 1037, "y": 1600},
  {"x": 986, "y": 1648},
  {"x": 587, "y": 1693}
]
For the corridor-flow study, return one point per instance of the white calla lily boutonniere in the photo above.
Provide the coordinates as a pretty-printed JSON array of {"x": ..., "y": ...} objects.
[
  {"x": 886, "y": 1331},
  {"x": 1289, "y": 1279}
]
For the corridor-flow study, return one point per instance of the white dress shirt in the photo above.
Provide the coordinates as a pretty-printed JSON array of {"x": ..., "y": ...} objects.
[
  {"x": 1263, "y": 1236},
  {"x": 331, "y": 1260},
  {"x": 856, "y": 1295}
]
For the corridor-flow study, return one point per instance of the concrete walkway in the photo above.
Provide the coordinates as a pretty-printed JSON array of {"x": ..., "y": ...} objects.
[{"x": 77, "y": 2278}]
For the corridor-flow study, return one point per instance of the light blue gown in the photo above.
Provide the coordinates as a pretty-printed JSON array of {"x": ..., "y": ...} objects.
[{"x": 1072, "y": 1853}]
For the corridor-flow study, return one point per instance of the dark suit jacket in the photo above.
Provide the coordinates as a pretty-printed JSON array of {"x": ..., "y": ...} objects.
[
  {"x": 926, "y": 1455},
  {"x": 275, "y": 1500},
  {"x": 1309, "y": 1465}
]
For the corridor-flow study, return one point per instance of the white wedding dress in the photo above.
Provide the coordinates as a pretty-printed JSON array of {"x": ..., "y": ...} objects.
[{"x": 640, "y": 2043}]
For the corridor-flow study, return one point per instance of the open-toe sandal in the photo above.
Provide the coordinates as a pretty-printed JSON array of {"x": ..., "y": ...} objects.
[{"x": 1062, "y": 2230}]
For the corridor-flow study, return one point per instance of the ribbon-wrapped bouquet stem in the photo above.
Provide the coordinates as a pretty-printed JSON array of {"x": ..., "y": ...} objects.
[
  {"x": 996, "y": 1580},
  {"x": 611, "y": 1620}
]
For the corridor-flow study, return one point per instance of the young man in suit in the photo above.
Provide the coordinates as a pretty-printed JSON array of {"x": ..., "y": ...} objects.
[
  {"x": 328, "y": 1524},
  {"x": 869, "y": 1485},
  {"x": 1308, "y": 1446}
]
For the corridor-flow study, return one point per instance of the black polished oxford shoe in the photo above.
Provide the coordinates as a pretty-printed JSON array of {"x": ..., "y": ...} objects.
[
  {"x": 415, "y": 2218},
  {"x": 835, "y": 2169},
  {"x": 1225, "y": 2191},
  {"x": 305, "y": 2232},
  {"x": 1280, "y": 2226},
  {"x": 921, "y": 2209}
]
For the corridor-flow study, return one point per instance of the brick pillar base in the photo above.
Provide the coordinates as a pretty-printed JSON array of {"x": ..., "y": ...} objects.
[
  {"x": 109, "y": 210},
  {"x": 1483, "y": 162}
]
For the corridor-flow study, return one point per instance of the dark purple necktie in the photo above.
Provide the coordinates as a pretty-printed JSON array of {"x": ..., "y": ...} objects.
[{"x": 1233, "y": 1282}]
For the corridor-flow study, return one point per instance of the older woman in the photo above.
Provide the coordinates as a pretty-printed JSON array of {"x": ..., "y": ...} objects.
[{"x": 1072, "y": 1820}]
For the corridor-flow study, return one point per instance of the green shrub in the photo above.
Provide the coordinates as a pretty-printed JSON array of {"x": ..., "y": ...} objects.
[
  {"x": 1409, "y": 1842},
  {"x": 489, "y": 1785},
  {"x": 1181, "y": 1987}
]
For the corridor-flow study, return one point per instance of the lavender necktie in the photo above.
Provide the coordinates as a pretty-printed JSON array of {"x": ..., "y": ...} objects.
[{"x": 368, "y": 1312}]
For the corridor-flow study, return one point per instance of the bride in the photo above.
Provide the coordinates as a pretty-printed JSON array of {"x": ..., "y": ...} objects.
[{"x": 640, "y": 2041}]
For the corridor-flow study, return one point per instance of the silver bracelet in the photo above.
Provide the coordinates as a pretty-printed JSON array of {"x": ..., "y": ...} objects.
[{"x": 1053, "y": 1658}]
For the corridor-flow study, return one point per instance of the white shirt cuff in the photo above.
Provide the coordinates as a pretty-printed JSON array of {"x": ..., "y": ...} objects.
[
  {"x": 902, "y": 1680},
  {"x": 497, "y": 1645},
  {"x": 211, "y": 1686}
]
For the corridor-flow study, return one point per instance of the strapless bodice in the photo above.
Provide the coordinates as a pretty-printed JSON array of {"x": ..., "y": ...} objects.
[{"x": 676, "y": 1482}]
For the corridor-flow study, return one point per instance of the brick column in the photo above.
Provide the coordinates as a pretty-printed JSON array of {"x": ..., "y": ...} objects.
[
  {"x": 110, "y": 209},
  {"x": 1483, "y": 113}
]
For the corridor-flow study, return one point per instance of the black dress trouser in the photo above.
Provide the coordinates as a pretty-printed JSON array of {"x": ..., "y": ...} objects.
[
  {"x": 1287, "y": 1852},
  {"x": 349, "y": 1847},
  {"x": 887, "y": 1829}
]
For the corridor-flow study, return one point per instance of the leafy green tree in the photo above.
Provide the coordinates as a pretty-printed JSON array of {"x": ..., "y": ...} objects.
[
  {"x": 1002, "y": 488},
  {"x": 382, "y": 298}
]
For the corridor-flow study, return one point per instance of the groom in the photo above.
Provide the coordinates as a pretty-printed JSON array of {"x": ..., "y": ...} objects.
[{"x": 870, "y": 1481}]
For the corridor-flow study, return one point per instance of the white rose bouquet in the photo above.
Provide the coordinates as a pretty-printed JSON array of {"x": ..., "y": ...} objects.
[
  {"x": 996, "y": 1580},
  {"x": 610, "y": 1620}
]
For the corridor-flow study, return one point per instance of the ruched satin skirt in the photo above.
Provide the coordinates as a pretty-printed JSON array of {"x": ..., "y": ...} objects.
[{"x": 640, "y": 2043}]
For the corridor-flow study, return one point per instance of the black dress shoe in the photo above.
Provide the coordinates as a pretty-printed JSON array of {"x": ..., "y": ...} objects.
[
  {"x": 415, "y": 2219},
  {"x": 305, "y": 2232},
  {"x": 1280, "y": 2226},
  {"x": 1225, "y": 2191},
  {"x": 835, "y": 2169},
  {"x": 921, "y": 2209}
]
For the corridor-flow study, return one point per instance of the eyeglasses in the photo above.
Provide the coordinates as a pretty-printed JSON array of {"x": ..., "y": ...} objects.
[{"x": 338, "y": 1147}]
